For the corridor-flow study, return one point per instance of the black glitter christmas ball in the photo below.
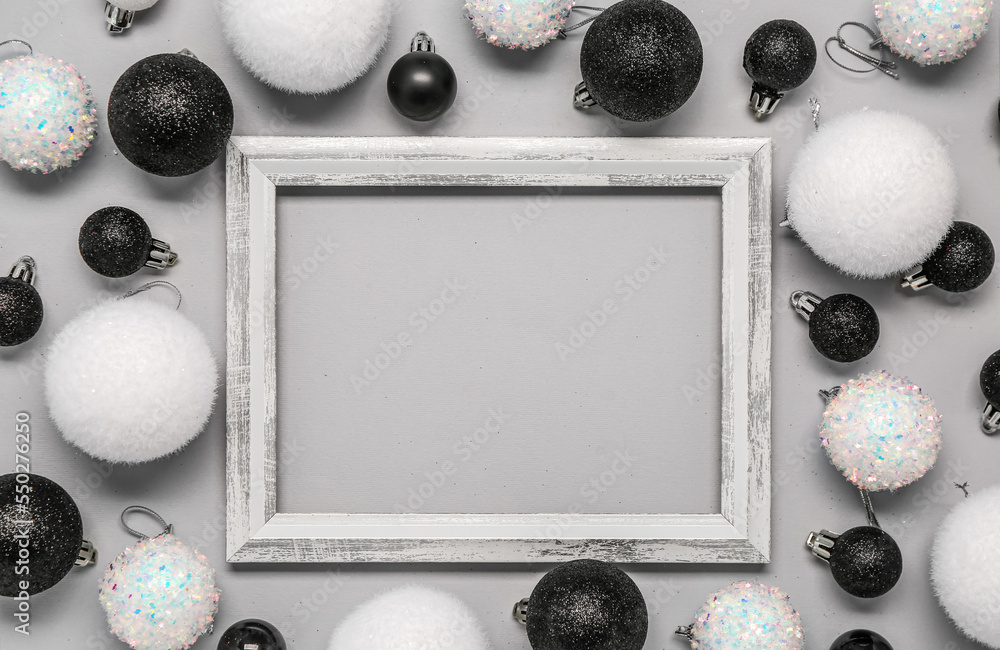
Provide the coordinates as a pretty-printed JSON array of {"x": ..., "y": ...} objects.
[
  {"x": 780, "y": 55},
  {"x": 115, "y": 242},
  {"x": 963, "y": 261},
  {"x": 844, "y": 328},
  {"x": 252, "y": 633},
  {"x": 21, "y": 311},
  {"x": 989, "y": 379},
  {"x": 41, "y": 529},
  {"x": 866, "y": 562},
  {"x": 586, "y": 605},
  {"x": 422, "y": 86},
  {"x": 170, "y": 115},
  {"x": 641, "y": 59},
  {"x": 860, "y": 640}
]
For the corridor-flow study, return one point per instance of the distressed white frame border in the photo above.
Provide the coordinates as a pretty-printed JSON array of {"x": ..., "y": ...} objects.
[{"x": 739, "y": 167}]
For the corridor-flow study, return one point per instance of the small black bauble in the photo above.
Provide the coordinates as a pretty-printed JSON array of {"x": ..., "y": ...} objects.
[
  {"x": 421, "y": 84},
  {"x": 779, "y": 56},
  {"x": 252, "y": 633},
  {"x": 170, "y": 114},
  {"x": 38, "y": 509},
  {"x": 860, "y": 640},
  {"x": 865, "y": 561},
  {"x": 989, "y": 383},
  {"x": 585, "y": 605},
  {"x": 843, "y": 327},
  {"x": 21, "y": 309},
  {"x": 116, "y": 242},
  {"x": 962, "y": 262},
  {"x": 641, "y": 60}
]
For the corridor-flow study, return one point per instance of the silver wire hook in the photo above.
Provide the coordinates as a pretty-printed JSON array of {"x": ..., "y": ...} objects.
[
  {"x": 31, "y": 50},
  {"x": 168, "y": 529},
  {"x": 880, "y": 63},
  {"x": 566, "y": 30},
  {"x": 150, "y": 285},
  {"x": 866, "y": 498}
]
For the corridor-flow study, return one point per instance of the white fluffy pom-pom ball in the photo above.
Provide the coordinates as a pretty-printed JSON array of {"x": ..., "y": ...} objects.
[
  {"x": 410, "y": 618},
  {"x": 872, "y": 193},
  {"x": 134, "y": 5},
  {"x": 130, "y": 381},
  {"x": 964, "y": 571},
  {"x": 307, "y": 47}
]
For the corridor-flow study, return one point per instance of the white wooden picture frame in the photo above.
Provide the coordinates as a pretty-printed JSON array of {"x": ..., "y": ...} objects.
[{"x": 739, "y": 168}]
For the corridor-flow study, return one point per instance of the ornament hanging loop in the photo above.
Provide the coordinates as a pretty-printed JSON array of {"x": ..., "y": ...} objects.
[
  {"x": 880, "y": 63},
  {"x": 168, "y": 529},
  {"x": 828, "y": 395},
  {"x": 866, "y": 498},
  {"x": 31, "y": 50},
  {"x": 564, "y": 32},
  {"x": 150, "y": 285},
  {"x": 24, "y": 270}
]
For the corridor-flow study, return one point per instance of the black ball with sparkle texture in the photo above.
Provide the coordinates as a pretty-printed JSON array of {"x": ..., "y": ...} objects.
[
  {"x": 21, "y": 310},
  {"x": 422, "y": 85},
  {"x": 866, "y": 562},
  {"x": 641, "y": 60},
  {"x": 963, "y": 261},
  {"x": 170, "y": 115},
  {"x": 252, "y": 633},
  {"x": 780, "y": 55},
  {"x": 844, "y": 328},
  {"x": 989, "y": 380},
  {"x": 860, "y": 640},
  {"x": 47, "y": 515},
  {"x": 115, "y": 242},
  {"x": 586, "y": 605}
]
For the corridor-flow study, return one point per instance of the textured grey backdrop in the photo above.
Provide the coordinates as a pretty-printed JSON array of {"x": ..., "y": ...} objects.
[{"x": 937, "y": 342}]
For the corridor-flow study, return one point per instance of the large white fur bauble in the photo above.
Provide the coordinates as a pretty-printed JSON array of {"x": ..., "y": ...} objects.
[
  {"x": 130, "y": 381},
  {"x": 964, "y": 570},
  {"x": 307, "y": 47},
  {"x": 133, "y": 5},
  {"x": 410, "y": 618},
  {"x": 872, "y": 193}
]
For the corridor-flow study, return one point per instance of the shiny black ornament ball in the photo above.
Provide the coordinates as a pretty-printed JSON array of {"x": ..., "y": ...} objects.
[
  {"x": 21, "y": 311},
  {"x": 38, "y": 510},
  {"x": 115, "y": 242},
  {"x": 780, "y": 55},
  {"x": 860, "y": 640},
  {"x": 586, "y": 605},
  {"x": 989, "y": 379},
  {"x": 422, "y": 86},
  {"x": 963, "y": 261},
  {"x": 866, "y": 562},
  {"x": 844, "y": 328},
  {"x": 252, "y": 633},
  {"x": 641, "y": 59},
  {"x": 170, "y": 115}
]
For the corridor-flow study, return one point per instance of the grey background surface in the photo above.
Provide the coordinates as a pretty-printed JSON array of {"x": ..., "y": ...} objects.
[{"x": 938, "y": 342}]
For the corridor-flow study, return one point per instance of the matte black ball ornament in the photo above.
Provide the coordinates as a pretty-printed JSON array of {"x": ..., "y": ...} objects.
[
  {"x": 989, "y": 383},
  {"x": 170, "y": 114},
  {"x": 843, "y": 327},
  {"x": 860, "y": 640},
  {"x": 962, "y": 262},
  {"x": 585, "y": 605},
  {"x": 421, "y": 84},
  {"x": 252, "y": 634},
  {"x": 780, "y": 55},
  {"x": 116, "y": 242},
  {"x": 641, "y": 60},
  {"x": 41, "y": 535},
  {"x": 865, "y": 561},
  {"x": 21, "y": 309}
]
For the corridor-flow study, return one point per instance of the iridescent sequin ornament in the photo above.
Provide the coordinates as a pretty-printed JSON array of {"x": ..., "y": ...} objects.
[
  {"x": 746, "y": 616},
  {"x": 931, "y": 32},
  {"x": 518, "y": 24},
  {"x": 47, "y": 114},
  {"x": 160, "y": 594},
  {"x": 881, "y": 431}
]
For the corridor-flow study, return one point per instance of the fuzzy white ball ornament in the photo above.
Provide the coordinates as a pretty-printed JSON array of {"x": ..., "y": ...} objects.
[
  {"x": 410, "y": 618},
  {"x": 964, "y": 571},
  {"x": 130, "y": 381},
  {"x": 872, "y": 193},
  {"x": 134, "y": 5},
  {"x": 307, "y": 47}
]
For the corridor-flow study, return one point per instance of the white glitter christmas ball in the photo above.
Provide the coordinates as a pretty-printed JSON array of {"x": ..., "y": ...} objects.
[
  {"x": 748, "y": 616},
  {"x": 130, "y": 381},
  {"x": 134, "y": 5},
  {"x": 931, "y": 31},
  {"x": 872, "y": 193},
  {"x": 881, "y": 432},
  {"x": 47, "y": 114},
  {"x": 964, "y": 571},
  {"x": 159, "y": 595},
  {"x": 410, "y": 618},
  {"x": 307, "y": 47},
  {"x": 513, "y": 24}
]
